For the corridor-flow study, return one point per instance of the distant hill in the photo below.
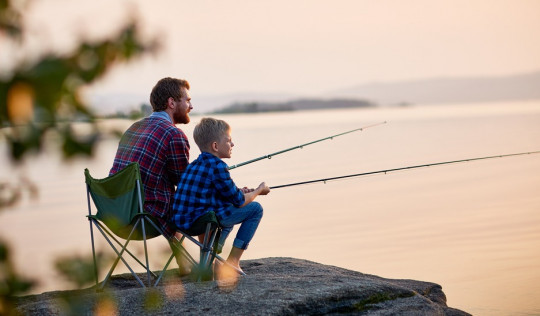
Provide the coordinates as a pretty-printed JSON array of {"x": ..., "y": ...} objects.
[
  {"x": 448, "y": 90},
  {"x": 425, "y": 91},
  {"x": 301, "y": 104}
]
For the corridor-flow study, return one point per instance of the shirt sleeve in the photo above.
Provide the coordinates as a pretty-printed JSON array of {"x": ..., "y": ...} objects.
[
  {"x": 178, "y": 158},
  {"x": 226, "y": 189}
]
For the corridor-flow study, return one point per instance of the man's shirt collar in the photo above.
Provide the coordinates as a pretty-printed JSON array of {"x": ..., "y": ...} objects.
[{"x": 163, "y": 115}]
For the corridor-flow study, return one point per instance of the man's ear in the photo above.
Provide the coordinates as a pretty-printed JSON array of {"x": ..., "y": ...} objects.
[{"x": 170, "y": 102}]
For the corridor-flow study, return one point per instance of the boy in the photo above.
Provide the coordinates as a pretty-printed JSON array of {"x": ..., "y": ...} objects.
[{"x": 206, "y": 186}]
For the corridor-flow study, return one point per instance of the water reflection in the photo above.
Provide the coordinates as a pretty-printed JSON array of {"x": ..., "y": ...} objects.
[{"x": 473, "y": 227}]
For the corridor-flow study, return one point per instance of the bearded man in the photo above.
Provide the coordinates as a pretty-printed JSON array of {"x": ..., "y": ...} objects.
[{"x": 161, "y": 149}]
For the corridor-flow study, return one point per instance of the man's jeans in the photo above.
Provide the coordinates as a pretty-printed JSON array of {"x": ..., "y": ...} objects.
[{"x": 249, "y": 217}]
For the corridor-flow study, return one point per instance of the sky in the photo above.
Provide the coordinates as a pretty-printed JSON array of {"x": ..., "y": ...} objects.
[{"x": 301, "y": 47}]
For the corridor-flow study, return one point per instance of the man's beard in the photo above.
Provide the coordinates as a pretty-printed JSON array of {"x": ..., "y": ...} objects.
[{"x": 181, "y": 118}]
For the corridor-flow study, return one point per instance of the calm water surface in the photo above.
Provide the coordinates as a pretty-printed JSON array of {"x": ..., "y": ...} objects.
[{"x": 473, "y": 228}]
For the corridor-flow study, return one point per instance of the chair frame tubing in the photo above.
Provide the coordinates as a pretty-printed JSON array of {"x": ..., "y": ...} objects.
[
  {"x": 207, "y": 249},
  {"x": 142, "y": 217}
]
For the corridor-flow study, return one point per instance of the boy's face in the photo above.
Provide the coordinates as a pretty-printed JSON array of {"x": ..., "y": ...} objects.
[{"x": 225, "y": 145}]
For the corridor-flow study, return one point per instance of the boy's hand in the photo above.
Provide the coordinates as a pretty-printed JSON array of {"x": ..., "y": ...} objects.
[
  {"x": 246, "y": 190},
  {"x": 249, "y": 196},
  {"x": 263, "y": 189}
]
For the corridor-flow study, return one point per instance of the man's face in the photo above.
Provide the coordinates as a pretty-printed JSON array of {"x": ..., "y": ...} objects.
[{"x": 182, "y": 108}]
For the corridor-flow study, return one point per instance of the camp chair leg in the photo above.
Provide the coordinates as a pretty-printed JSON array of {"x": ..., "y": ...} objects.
[
  {"x": 144, "y": 233},
  {"x": 181, "y": 248},
  {"x": 163, "y": 271},
  {"x": 93, "y": 251},
  {"x": 205, "y": 266},
  {"x": 210, "y": 246},
  {"x": 105, "y": 232},
  {"x": 92, "y": 234},
  {"x": 202, "y": 258},
  {"x": 205, "y": 249},
  {"x": 215, "y": 245},
  {"x": 182, "y": 251},
  {"x": 195, "y": 241},
  {"x": 119, "y": 257},
  {"x": 146, "y": 254},
  {"x": 120, "y": 244},
  {"x": 217, "y": 257}
]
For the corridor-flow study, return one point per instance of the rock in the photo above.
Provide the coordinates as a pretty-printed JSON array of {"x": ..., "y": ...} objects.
[{"x": 273, "y": 286}]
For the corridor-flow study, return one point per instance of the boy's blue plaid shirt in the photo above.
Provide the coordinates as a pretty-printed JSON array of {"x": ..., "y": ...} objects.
[{"x": 205, "y": 186}]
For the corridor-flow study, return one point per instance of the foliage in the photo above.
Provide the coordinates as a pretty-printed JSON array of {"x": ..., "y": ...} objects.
[
  {"x": 42, "y": 96},
  {"x": 11, "y": 284},
  {"x": 45, "y": 95},
  {"x": 10, "y": 19},
  {"x": 153, "y": 300},
  {"x": 80, "y": 271}
]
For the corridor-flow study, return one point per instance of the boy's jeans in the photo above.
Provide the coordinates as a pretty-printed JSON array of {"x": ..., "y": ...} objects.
[{"x": 249, "y": 217}]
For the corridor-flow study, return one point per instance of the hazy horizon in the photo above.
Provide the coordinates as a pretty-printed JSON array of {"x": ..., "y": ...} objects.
[{"x": 521, "y": 86}]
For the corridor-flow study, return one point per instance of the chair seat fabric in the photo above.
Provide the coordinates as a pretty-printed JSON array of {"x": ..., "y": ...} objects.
[
  {"x": 117, "y": 202},
  {"x": 199, "y": 226}
]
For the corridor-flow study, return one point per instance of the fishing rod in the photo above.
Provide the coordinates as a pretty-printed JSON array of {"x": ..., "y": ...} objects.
[
  {"x": 302, "y": 146},
  {"x": 397, "y": 169}
]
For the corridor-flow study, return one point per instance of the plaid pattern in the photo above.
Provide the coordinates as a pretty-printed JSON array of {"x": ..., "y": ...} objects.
[
  {"x": 162, "y": 151},
  {"x": 205, "y": 186}
]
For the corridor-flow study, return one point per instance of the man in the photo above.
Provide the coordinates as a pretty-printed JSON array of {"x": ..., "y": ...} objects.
[{"x": 161, "y": 149}]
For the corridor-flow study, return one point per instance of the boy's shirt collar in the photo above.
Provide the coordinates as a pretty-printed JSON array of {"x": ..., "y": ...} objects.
[{"x": 207, "y": 155}]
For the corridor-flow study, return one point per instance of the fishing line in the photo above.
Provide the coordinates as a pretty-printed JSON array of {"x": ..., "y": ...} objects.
[
  {"x": 402, "y": 168},
  {"x": 302, "y": 146}
]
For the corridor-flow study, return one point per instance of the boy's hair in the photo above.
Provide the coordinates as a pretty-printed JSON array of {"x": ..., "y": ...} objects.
[
  {"x": 209, "y": 130},
  {"x": 164, "y": 89}
]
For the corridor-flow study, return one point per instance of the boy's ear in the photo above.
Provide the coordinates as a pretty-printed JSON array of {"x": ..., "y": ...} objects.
[{"x": 214, "y": 146}]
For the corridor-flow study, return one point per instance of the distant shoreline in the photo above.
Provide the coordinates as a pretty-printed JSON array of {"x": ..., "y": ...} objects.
[{"x": 295, "y": 105}]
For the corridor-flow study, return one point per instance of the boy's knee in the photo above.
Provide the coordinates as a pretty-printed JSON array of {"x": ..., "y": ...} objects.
[{"x": 257, "y": 209}]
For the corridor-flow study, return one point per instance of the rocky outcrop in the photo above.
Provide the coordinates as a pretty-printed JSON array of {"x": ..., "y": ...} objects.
[{"x": 273, "y": 286}]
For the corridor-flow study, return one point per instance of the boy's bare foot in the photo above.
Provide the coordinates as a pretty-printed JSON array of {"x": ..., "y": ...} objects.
[{"x": 226, "y": 275}]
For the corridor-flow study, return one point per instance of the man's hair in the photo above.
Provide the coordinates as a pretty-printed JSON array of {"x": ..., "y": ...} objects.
[
  {"x": 209, "y": 130},
  {"x": 165, "y": 89}
]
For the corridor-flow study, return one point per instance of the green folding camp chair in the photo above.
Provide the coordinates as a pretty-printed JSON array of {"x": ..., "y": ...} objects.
[{"x": 119, "y": 203}]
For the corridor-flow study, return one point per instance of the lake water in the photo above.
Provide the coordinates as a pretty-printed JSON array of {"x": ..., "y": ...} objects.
[{"x": 473, "y": 228}]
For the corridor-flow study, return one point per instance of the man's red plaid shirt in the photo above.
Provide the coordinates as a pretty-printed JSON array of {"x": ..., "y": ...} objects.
[{"x": 162, "y": 151}]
